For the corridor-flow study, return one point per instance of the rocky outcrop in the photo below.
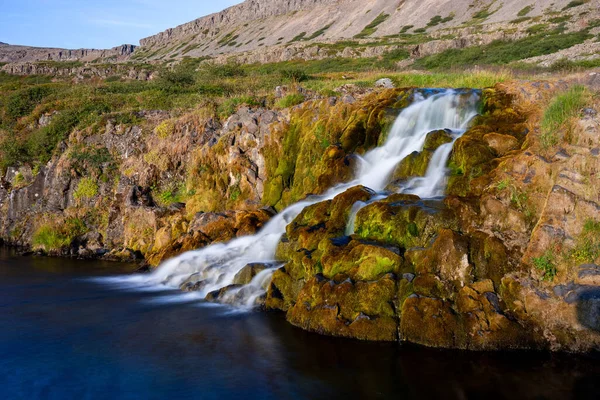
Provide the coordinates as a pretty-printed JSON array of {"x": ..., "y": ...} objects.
[
  {"x": 474, "y": 271},
  {"x": 21, "y": 54},
  {"x": 80, "y": 72}
]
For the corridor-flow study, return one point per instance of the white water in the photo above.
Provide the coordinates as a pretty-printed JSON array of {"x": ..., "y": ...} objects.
[{"x": 218, "y": 264}]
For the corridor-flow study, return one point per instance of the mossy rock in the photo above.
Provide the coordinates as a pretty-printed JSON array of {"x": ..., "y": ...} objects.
[
  {"x": 317, "y": 224},
  {"x": 361, "y": 310},
  {"x": 360, "y": 261},
  {"x": 415, "y": 164},
  {"x": 436, "y": 139},
  {"x": 403, "y": 221},
  {"x": 314, "y": 151},
  {"x": 431, "y": 322},
  {"x": 447, "y": 258},
  {"x": 490, "y": 258},
  {"x": 282, "y": 291}
]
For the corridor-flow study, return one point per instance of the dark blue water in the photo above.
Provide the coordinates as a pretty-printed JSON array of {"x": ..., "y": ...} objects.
[{"x": 65, "y": 336}]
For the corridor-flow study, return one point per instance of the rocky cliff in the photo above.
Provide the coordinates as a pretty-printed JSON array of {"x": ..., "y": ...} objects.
[{"x": 12, "y": 54}]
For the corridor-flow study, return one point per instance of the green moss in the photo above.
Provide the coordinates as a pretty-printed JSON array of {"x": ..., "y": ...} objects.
[{"x": 86, "y": 189}]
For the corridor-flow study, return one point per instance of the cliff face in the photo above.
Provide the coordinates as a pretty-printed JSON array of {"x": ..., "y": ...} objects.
[{"x": 12, "y": 54}]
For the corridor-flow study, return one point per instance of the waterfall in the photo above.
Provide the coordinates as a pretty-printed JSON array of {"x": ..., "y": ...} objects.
[{"x": 216, "y": 265}]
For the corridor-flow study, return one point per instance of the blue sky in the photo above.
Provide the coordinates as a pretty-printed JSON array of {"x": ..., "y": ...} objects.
[{"x": 95, "y": 23}]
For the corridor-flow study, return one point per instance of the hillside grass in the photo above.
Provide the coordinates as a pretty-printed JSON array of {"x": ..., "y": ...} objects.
[
  {"x": 504, "y": 52},
  {"x": 85, "y": 106},
  {"x": 559, "y": 113}
]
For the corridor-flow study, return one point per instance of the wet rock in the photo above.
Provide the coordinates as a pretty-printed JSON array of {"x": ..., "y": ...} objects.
[
  {"x": 219, "y": 295},
  {"x": 193, "y": 284},
  {"x": 247, "y": 273},
  {"x": 361, "y": 310}
]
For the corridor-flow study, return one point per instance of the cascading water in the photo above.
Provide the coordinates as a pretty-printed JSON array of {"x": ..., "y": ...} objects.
[{"x": 216, "y": 265}]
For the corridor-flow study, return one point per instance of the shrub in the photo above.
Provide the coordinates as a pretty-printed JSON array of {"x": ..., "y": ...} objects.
[
  {"x": 175, "y": 81},
  {"x": 42, "y": 142},
  {"x": 23, "y": 101},
  {"x": 229, "y": 70},
  {"x": 294, "y": 74},
  {"x": 503, "y": 52}
]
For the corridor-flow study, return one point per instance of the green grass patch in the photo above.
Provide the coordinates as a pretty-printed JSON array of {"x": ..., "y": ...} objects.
[
  {"x": 560, "y": 111},
  {"x": 318, "y": 33},
  {"x": 290, "y": 100},
  {"x": 537, "y": 29},
  {"x": 372, "y": 27},
  {"x": 547, "y": 265},
  {"x": 55, "y": 236},
  {"x": 573, "y": 4},
  {"x": 524, "y": 11},
  {"x": 503, "y": 52}
]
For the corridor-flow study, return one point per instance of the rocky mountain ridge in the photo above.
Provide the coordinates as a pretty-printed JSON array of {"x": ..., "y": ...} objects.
[{"x": 14, "y": 54}]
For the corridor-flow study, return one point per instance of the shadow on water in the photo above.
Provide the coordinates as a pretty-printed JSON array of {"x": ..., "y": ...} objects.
[{"x": 63, "y": 335}]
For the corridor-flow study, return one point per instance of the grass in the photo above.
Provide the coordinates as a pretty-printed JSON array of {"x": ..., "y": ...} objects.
[
  {"x": 290, "y": 100},
  {"x": 372, "y": 27},
  {"x": 562, "y": 108},
  {"x": 55, "y": 235},
  {"x": 318, "y": 33},
  {"x": 574, "y": 4},
  {"x": 524, "y": 11},
  {"x": 546, "y": 264},
  {"x": 503, "y": 52},
  {"x": 587, "y": 248}
]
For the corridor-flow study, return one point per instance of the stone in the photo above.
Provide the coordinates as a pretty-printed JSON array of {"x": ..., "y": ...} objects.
[
  {"x": 248, "y": 272},
  {"x": 385, "y": 83}
]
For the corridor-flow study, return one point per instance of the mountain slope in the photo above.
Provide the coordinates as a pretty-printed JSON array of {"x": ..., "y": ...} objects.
[{"x": 256, "y": 24}]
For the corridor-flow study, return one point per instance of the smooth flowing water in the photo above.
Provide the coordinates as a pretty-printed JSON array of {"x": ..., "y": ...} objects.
[
  {"x": 65, "y": 336},
  {"x": 217, "y": 265}
]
